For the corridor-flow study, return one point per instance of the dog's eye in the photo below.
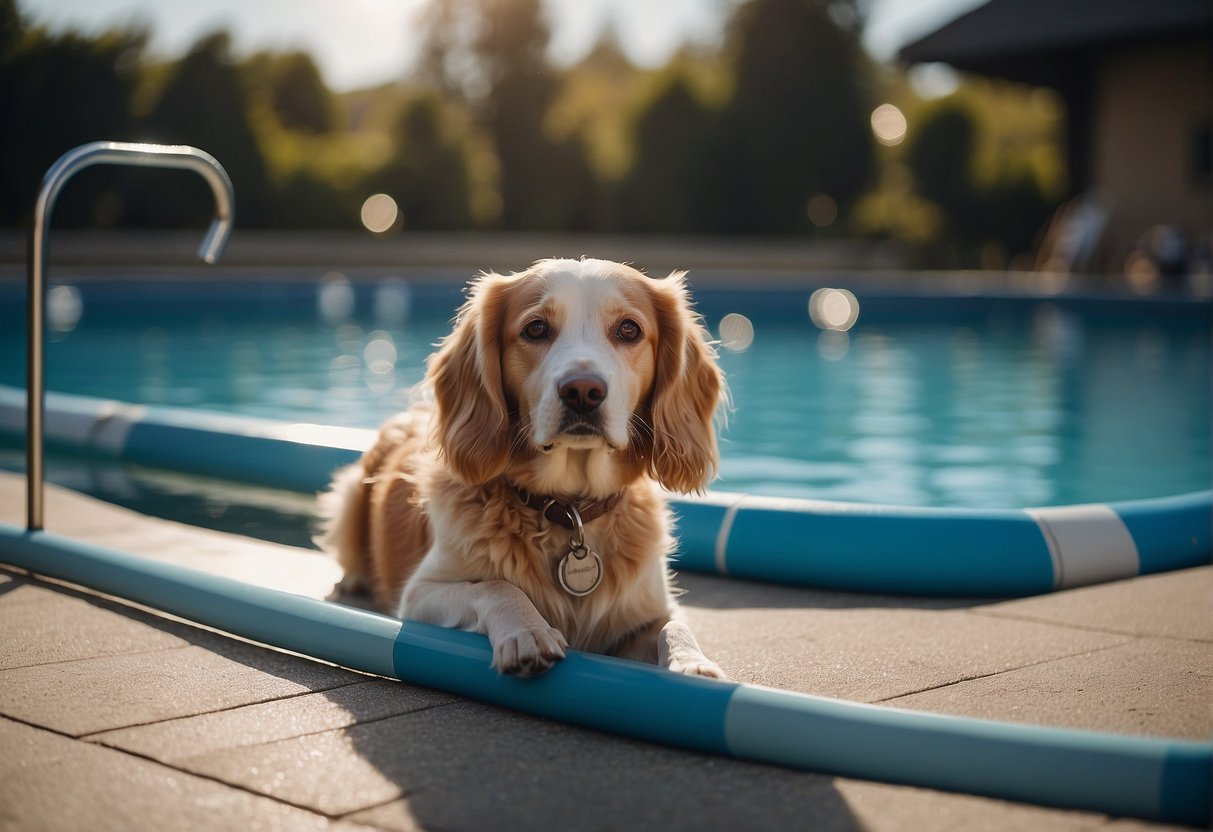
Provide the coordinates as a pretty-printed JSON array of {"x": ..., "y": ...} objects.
[
  {"x": 536, "y": 330},
  {"x": 629, "y": 330}
]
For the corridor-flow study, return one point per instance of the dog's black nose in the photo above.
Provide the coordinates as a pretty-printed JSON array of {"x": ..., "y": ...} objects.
[{"x": 583, "y": 392}]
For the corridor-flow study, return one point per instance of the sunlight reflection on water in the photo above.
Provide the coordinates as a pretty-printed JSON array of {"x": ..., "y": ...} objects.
[{"x": 991, "y": 410}]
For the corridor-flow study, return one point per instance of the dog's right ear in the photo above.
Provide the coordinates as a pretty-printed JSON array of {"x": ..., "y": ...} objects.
[{"x": 472, "y": 422}]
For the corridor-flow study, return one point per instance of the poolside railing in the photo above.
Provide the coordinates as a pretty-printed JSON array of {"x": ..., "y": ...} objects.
[{"x": 67, "y": 166}]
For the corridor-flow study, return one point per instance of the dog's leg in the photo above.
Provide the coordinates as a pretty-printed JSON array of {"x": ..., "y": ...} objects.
[
  {"x": 670, "y": 644},
  {"x": 523, "y": 643},
  {"x": 678, "y": 651},
  {"x": 342, "y": 512}
]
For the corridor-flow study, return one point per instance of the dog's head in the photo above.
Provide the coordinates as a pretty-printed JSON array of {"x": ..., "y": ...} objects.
[{"x": 571, "y": 363}]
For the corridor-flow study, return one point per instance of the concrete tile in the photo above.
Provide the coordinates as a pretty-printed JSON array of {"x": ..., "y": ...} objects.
[
  {"x": 860, "y": 647},
  {"x": 267, "y": 722},
  {"x": 67, "y": 512},
  {"x": 1171, "y": 604},
  {"x": 91, "y": 695},
  {"x": 41, "y": 625},
  {"x": 877, "y": 807},
  {"x": 470, "y": 766},
  {"x": 1149, "y": 686},
  {"x": 50, "y": 782},
  {"x": 302, "y": 571},
  {"x": 10, "y": 580}
]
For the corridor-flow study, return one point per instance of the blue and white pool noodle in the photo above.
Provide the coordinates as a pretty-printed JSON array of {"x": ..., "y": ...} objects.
[
  {"x": 942, "y": 552},
  {"x": 842, "y": 546},
  {"x": 1155, "y": 779}
]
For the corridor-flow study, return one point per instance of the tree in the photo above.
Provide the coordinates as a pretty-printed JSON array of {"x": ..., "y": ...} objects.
[
  {"x": 492, "y": 54},
  {"x": 1007, "y": 209},
  {"x": 57, "y": 92},
  {"x": 797, "y": 122},
  {"x": 663, "y": 190},
  {"x": 11, "y": 28},
  {"x": 298, "y": 95},
  {"x": 428, "y": 173},
  {"x": 204, "y": 104},
  {"x": 521, "y": 86},
  {"x": 940, "y": 156}
]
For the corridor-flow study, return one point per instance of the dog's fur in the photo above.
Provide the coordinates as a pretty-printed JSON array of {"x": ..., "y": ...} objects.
[{"x": 431, "y": 521}]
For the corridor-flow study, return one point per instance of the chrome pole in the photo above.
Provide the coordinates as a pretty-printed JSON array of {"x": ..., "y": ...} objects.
[{"x": 95, "y": 153}]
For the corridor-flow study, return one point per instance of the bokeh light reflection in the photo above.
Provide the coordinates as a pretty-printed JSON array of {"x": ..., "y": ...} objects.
[
  {"x": 380, "y": 353},
  {"x": 334, "y": 298},
  {"x": 833, "y": 345},
  {"x": 63, "y": 308},
  {"x": 889, "y": 125},
  {"x": 380, "y": 213},
  {"x": 822, "y": 210},
  {"x": 736, "y": 332},
  {"x": 833, "y": 309},
  {"x": 393, "y": 300}
]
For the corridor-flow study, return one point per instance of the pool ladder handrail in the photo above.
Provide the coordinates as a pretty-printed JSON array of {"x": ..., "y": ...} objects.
[{"x": 75, "y": 160}]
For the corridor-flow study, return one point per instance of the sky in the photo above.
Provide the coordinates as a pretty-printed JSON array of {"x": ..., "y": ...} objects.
[{"x": 361, "y": 43}]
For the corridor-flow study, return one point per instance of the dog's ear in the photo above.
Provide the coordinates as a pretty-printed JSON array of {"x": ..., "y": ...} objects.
[
  {"x": 687, "y": 392},
  {"x": 471, "y": 420}
]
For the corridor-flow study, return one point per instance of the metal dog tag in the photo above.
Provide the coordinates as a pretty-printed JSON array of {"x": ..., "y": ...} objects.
[{"x": 580, "y": 571}]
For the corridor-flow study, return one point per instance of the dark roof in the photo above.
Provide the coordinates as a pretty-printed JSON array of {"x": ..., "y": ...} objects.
[{"x": 1009, "y": 38}]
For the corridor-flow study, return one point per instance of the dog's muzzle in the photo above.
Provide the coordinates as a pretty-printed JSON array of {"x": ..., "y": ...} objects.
[{"x": 582, "y": 393}]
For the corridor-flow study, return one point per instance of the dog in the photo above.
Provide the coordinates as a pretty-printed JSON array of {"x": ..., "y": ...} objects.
[{"x": 525, "y": 501}]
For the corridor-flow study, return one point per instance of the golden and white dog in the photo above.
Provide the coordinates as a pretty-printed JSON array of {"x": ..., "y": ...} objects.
[{"x": 525, "y": 504}]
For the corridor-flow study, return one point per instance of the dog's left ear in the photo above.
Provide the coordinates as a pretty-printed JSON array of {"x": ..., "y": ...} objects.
[
  {"x": 471, "y": 420},
  {"x": 687, "y": 392}
]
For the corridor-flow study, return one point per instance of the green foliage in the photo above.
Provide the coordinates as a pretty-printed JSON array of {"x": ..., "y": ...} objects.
[
  {"x": 428, "y": 173},
  {"x": 301, "y": 101},
  {"x": 57, "y": 92},
  {"x": 11, "y": 28},
  {"x": 292, "y": 89},
  {"x": 665, "y": 190},
  {"x": 488, "y": 134},
  {"x": 940, "y": 155},
  {"x": 204, "y": 104},
  {"x": 984, "y": 220},
  {"x": 545, "y": 183},
  {"x": 797, "y": 122}
]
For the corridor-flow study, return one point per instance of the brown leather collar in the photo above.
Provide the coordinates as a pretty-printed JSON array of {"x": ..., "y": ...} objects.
[{"x": 559, "y": 512}]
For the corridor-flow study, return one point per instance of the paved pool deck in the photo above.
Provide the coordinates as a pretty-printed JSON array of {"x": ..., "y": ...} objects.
[{"x": 115, "y": 717}]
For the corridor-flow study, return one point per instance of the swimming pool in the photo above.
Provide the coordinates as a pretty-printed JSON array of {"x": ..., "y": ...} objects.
[
  {"x": 748, "y": 722},
  {"x": 982, "y": 402}
]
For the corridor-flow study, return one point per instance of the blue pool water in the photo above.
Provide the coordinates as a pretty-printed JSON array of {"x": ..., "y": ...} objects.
[{"x": 977, "y": 402}]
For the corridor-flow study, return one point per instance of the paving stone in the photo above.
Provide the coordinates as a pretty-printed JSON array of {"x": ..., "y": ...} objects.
[
  {"x": 866, "y": 648},
  {"x": 280, "y": 719},
  {"x": 66, "y": 512},
  {"x": 1149, "y": 686},
  {"x": 876, "y": 807},
  {"x": 285, "y": 726},
  {"x": 41, "y": 625},
  {"x": 1171, "y": 604},
  {"x": 471, "y": 766},
  {"x": 91, "y": 695},
  {"x": 51, "y": 782},
  {"x": 302, "y": 571}
]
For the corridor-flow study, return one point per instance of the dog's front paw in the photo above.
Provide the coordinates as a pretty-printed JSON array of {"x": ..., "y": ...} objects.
[
  {"x": 529, "y": 652},
  {"x": 696, "y": 665}
]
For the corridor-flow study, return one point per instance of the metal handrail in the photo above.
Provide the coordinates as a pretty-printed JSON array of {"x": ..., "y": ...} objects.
[{"x": 75, "y": 160}]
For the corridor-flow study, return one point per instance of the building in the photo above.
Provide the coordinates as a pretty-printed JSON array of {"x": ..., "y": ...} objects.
[{"x": 1135, "y": 76}]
